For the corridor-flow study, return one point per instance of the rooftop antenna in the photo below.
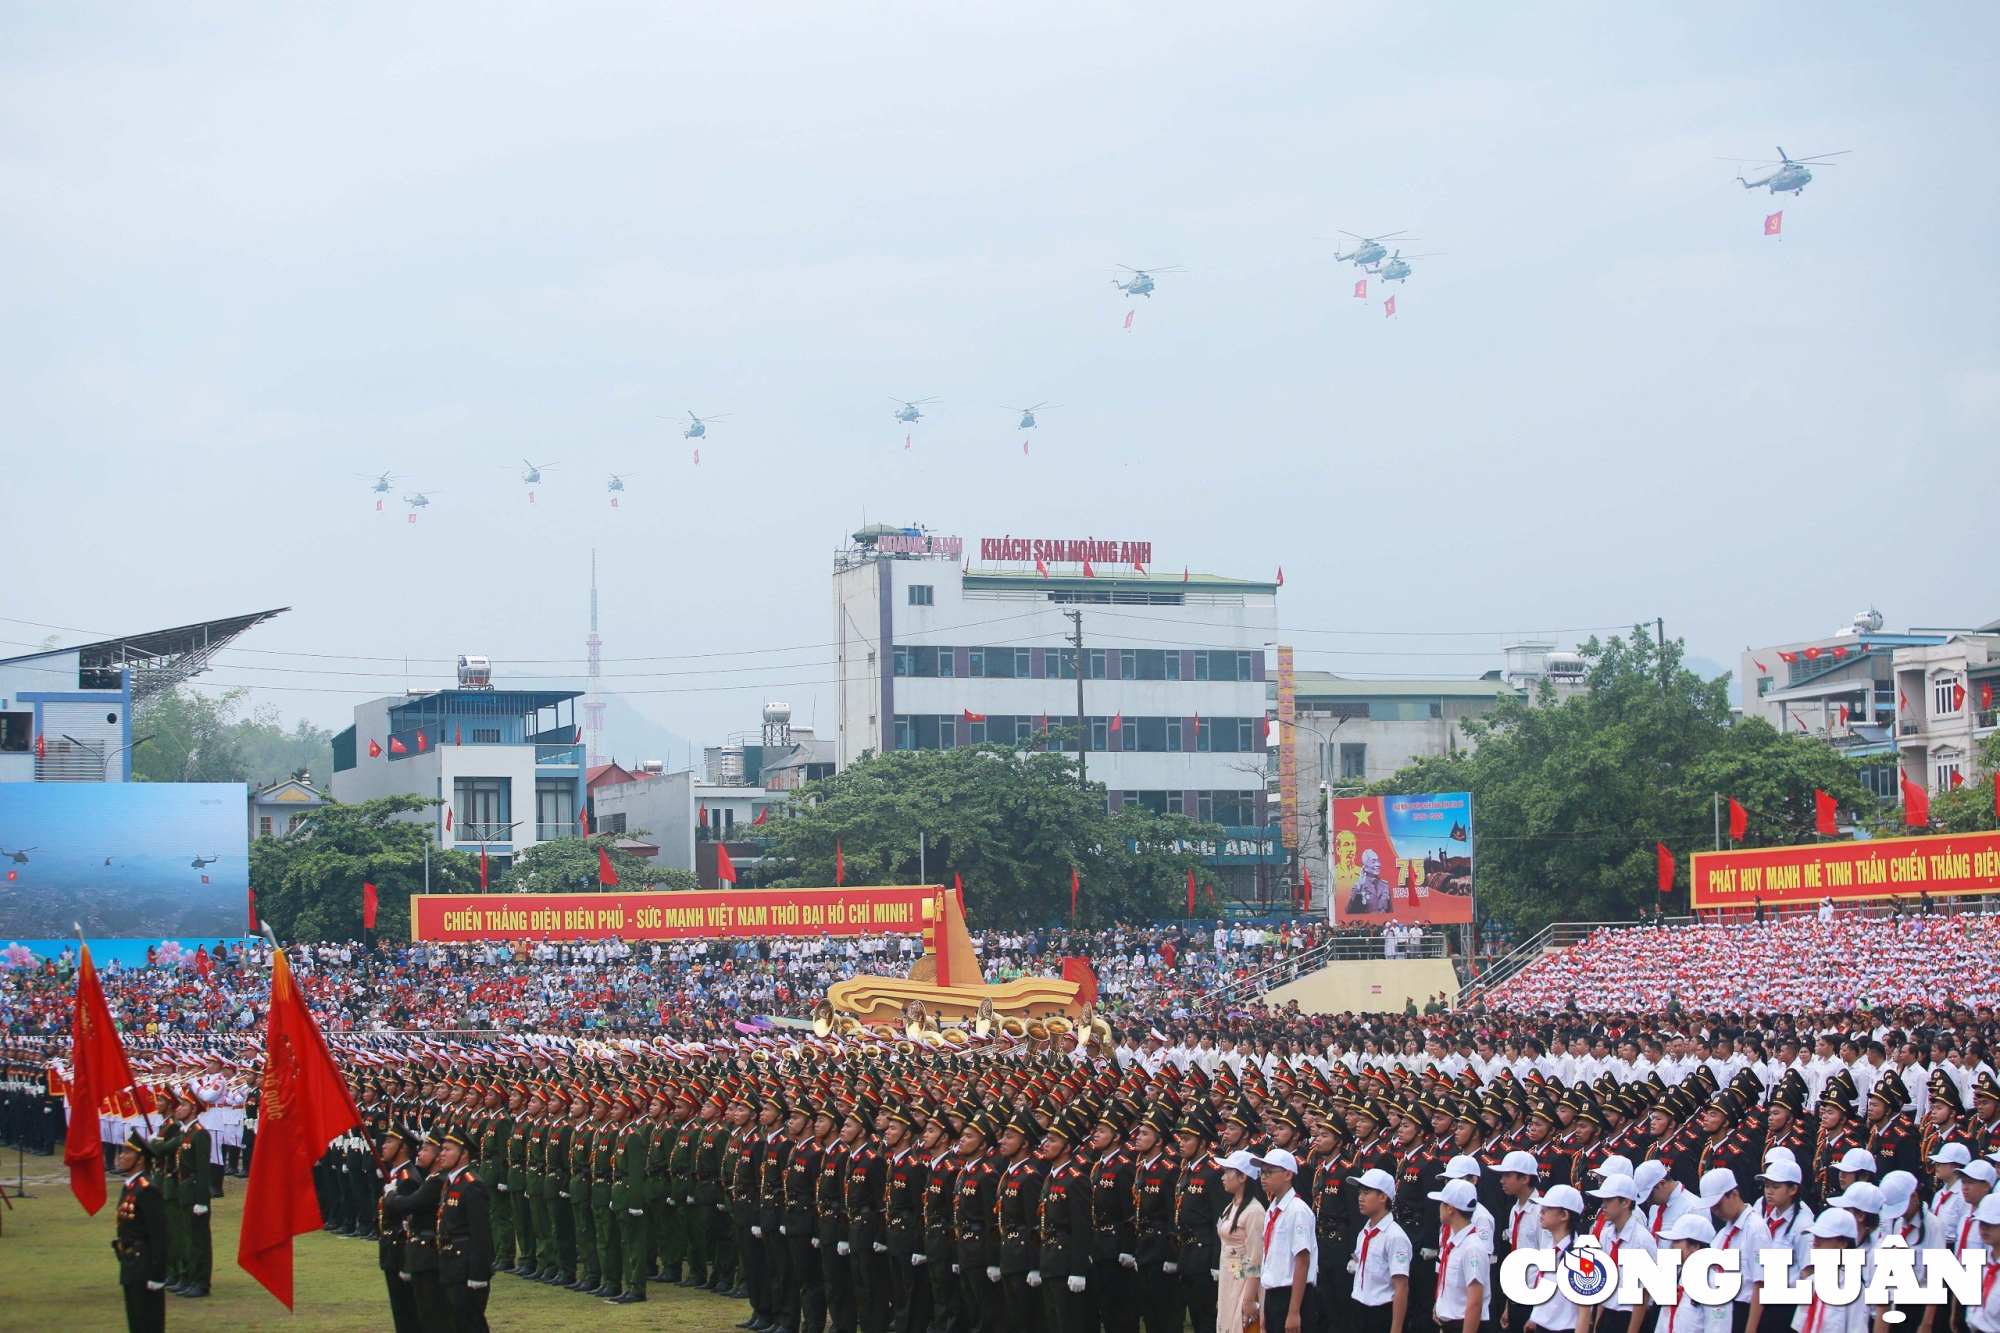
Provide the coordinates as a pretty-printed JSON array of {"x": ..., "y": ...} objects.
[{"x": 593, "y": 704}]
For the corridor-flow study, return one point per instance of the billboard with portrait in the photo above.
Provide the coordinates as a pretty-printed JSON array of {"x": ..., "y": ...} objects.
[
  {"x": 123, "y": 859},
  {"x": 1402, "y": 858}
]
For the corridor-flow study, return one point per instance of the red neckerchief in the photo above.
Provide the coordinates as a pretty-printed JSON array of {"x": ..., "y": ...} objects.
[
  {"x": 1367, "y": 1239},
  {"x": 1271, "y": 1219}
]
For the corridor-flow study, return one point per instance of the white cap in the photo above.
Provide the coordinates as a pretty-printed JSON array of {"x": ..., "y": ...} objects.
[
  {"x": 1279, "y": 1158},
  {"x": 1617, "y": 1187},
  {"x": 1988, "y": 1212},
  {"x": 1241, "y": 1161},
  {"x": 1690, "y": 1226},
  {"x": 1560, "y": 1196},
  {"x": 1860, "y": 1196},
  {"x": 1460, "y": 1194},
  {"x": 1716, "y": 1184},
  {"x": 1521, "y": 1163},
  {"x": 1857, "y": 1159},
  {"x": 1835, "y": 1222},
  {"x": 1897, "y": 1187},
  {"x": 1648, "y": 1174},
  {"x": 1781, "y": 1171},
  {"x": 1780, "y": 1154},
  {"x": 1981, "y": 1170},
  {"x": 1375, "y": 1178},
  {"x": 1613, "y": 1166},
  {"x": 1462, "y": 1167},
  {"x": 1952, "y": 1154}
]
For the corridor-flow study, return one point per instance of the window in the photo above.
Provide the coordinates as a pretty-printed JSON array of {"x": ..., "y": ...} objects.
[
  {"x": 17, "y": 732},
  {"x": 1151, "y": 733},
  {"x": 1097, "y": 664},
  {"x": 1946, "y": 771},
  {"x": 922, "y": 661},
  {"x": 1173, "y": 735},
  {"x": 1763, "y": 686},
  {"x": 485, "y": 809},
  {"x": 1100, "y": 733},
  {"x": 555, "y": 808},
  {"x": 999, "y": 663},
  {"x": 921, "y": 594},
  {"x": 1947, "y": 695},
  {"x": 612, "y": 823},
  {"x": 1152, "y": 801},
  {"x": 1176, "y": 802},
  {"x": 1353, "y": 760},
  {"x": 292, "y": 824},
  {"x": 906, "y": 733},
  {"x": 486, "y": 735},
  {"x": 1228, "y": 735},
  {"x": 1880, "y": 780},
  {"x": 1065, "y": 665},
  {"x": 263, "y": 826}
]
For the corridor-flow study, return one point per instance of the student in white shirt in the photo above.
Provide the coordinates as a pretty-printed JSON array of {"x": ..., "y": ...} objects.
[
  {"x": 1664, "y": 1199},
  {"x": 1291, "y": 1246},
  {"x": 1834, "y": 1230},
  {"x": 1986, "y": 1317},
  {"x": 1689, "y": 1233},
  {"x": 1562, "y": 1209},
  {"x": 1788, "y": 1221},
  {"x": 1976, "y": 1180},
  {"x": 1466, "y": 1167},
  {"x": 1382, "y": 1253},
  {"x": 1464, "y": 1263},
  {"x": 1948, "y": 1206},
  {"x": 1739, "y": 1227},
  {"x": 1625, "y": 1230}
]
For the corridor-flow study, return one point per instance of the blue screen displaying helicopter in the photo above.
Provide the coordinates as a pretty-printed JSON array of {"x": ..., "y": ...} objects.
[{"x": 123, "y": 859}]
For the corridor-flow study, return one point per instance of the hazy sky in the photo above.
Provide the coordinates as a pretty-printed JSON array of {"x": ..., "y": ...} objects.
[{"x": 252, "y": 251}]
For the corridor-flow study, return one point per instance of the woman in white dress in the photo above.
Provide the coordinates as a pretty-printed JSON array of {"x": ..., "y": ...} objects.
[{"x": 1239, "y": 1292}]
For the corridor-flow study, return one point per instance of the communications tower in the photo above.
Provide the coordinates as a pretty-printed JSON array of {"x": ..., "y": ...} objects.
[{"x": 593, "y": 700}]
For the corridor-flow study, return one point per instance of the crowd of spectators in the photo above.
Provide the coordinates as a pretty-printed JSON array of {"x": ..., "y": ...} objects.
[{"x": 1796, "y": 964}]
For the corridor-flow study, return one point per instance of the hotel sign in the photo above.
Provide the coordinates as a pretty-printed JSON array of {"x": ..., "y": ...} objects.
[
  {"x": 1066, "y": 550},
  {"x": 904, "y": 543}
]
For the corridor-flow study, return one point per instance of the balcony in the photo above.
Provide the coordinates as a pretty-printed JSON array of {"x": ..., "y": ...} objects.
[
  {"x": 550, "y": 832},
  {"x": 1907, "y": 728},
  {"x": 558, "y": 755}
]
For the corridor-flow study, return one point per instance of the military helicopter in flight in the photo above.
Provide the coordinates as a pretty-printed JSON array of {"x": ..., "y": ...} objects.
[
  {"x": 533, "y": 475},
  {"x": 1396, "y": 267},
  {"x": 379, "y": 483},
  {"x": 1370, "y": 251},
  {"x": 908, "y": 411},
  {"x": 698, "y": 426},
  {"x": 20, "y": 857},
  {"x": 1141, "y": 282},
  {"x": 418, "y": 500},
  {"x": 1028, "y": 414},
  {"x": 617, "y": 482},
  {"x": 204, "y": 862},
  {"x": 1791, "y": 174}
]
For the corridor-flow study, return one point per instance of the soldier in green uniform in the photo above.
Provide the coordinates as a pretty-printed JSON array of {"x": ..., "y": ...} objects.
[
  {"x": 746, "y": 1161},
  {"x": 563, "y": 1136},
  {"x": 495, "y": 1131},
  {"x": 628, "y": 1196},
  {"x": 519, "y": 1199},
  {"x": 191, "y": 1196},
  {"x": 141, "y": 1241},
  {"x": 711, "y": 1220},
  {"x": 582, "y": 1220},
  {"x": 163, "y": 1148},
  {"x": 686, "y": 1238},
  {"x": 611, "y": 1117},
  {"x": 661, "y": 1202}
]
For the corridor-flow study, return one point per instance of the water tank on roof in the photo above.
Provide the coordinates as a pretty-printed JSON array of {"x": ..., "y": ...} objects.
[
  {"x": 652, "y": 766},
  {"x": 1566, "y": 666},
  {"x": 777, "y": 713},
  {"x": 474, "y": 672}
]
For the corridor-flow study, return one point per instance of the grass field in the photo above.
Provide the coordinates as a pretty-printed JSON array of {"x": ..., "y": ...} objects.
[{"x": 57, "y": 1273}]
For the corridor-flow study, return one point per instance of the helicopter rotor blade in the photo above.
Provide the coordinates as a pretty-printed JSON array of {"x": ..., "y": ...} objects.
[{"x": 1821, "y": 158}]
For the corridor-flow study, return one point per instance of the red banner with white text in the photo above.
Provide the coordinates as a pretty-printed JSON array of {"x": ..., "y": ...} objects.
[
  {"x": 749, "y": 914},
  {"x": 1939, "y": 864}
]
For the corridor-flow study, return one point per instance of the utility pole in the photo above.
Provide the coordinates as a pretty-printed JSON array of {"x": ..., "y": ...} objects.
[
  {"x": 1660, "y": 642},
  {"x": 1082, "y": 726}
]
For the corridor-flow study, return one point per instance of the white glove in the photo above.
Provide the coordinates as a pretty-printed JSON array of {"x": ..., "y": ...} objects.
[
  {"x": 636, "y": 1212},
  {"x": 690, "y": 1198},
  {"x": 954, "y": 1270},
  {"x": 1034, "y": 1277},
  {"x": 722, "y": 1208},
  {"x": 1215, "y": 1275},
  {"x": 880, "y": 1248},
  {"x": 1170, "y": 1268},
  {"x": 1127, "y": 1261},
  {"x": 843, "y": 1249},
  {"x": 404, "y": 1276},
  {"x": 389, "y": 1190},
  {"x": 815, "y": 1242},
  {"x": 156, "y": 1286},
  {"x": 919, "y": 1260},
  {"x": 758, "y": 1232},
  {"x": 671, "y": 1202},
  {"x": 782, "y": 1231},
  {"x": 499, "y": 1186},
  {"x": 477, "y": 1286},
  {"x": 1076, "y": 1284},
  {"x": 1427, "y": 1254},
  {"x": 562, "y": 1194},
  {"x": 992, "y": 1275},
  {"x": 201, "y": 1210}
]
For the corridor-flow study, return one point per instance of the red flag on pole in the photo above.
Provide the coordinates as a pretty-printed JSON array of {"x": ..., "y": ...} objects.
[
  {"x": 1824, "y": 807},
  {"x": 1665, "y": 861},
  {"x": 1774, "y": 223},
  {"x": 368, "y": 905},
  {"x": 971, "y": 717},
  {"x": 583, "y": 819},
  {"x": 1197, "y": 728},
  {"x": 1843, "y": 715},
  {"x": 1389, "y": 307},
  {"x": 98, "y": 1069},
  {"x": 607, "y": 874},
  {"x": 702, "y": 817},
  {"x": 762, "y": 815},
  {"x": 1084, "y": 975},
  {"x": 305, "y": 1107},
  {"x": 958, "y": 891},
  {"x": 458, "y": 736},
  {"x": 374, "y": 748},
  {"x": 1088, "y": 572},
  {"x": 1739, "y": 819},
  {"x": 41, "y": 746},
  {"x": 1128, "y": 317},
  {"x": 482, "y": 869},
  {"x": 1075, "y": 883},
  {"x": 839, "y": 865},
  {"x": 1190, "y": 891},
  {"x": 1305, "y": 887},
  {"x": 1957, "y": 697},
  {"x": 1985, "y": 694},
  {"x": 1118, "y": 720},
  {"x": 422, "y": 744},
  {"x": 725, "y": 869},
  {"x": 447, "y": 819},
  {"x": 1281, "y": 576},
  {"x": 1361, "y": 289},
  {"x": 1041, "y": 567},
  {"x": 396, "y": 746},
  {"x": 1916, "y": 804},
  {"x": 1957, "y": 779},
  {"x": 253, "y": 913},
  {"x": 1760, "y": 666}
]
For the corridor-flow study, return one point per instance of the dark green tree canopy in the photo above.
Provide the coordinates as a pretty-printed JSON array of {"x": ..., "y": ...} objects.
[
  {"x": 569, "y": 865},
  {"x": 308, "y": 882},
  {"x": 1012, "y": 825}
]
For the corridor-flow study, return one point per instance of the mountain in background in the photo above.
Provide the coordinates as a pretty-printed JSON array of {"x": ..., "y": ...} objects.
[{"x": 630, "y": 736}]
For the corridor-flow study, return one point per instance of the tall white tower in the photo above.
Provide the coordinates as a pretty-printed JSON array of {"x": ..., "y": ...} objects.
[{"x": 593, "y": 699}]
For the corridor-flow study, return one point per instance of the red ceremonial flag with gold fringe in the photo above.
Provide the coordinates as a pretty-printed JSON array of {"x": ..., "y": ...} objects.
[
  {"x": 98, "y": 1069},
  {"x": 305, "y": 1107}
]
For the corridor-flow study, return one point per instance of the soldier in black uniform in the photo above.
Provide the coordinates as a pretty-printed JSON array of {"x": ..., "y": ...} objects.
[
  {"x": 1154, "y": 1175},
  {"x": 801, "y": 1218},
  {"x": 416, "y": 1211},
  {"x": 1198, "y": 1198},
  {"x": 940, "y": 1253},
  {"x": 781, "y": 1289},
  {"x": 830, "y": 1222},
  {"x": 974, "y": 1220},
  {"x": 464, "y": 1236},
  {"x": 1019, "y": 1205},
  {"x": 404, "y": 1178},
  {"x": 141, "y": 1240},
  {"x": 1065, "y": 1226},
  {"x": 905, "y": 1177},
  {"x": 861, "y": 1201},
  {"x": 1114, "y": 1244}
]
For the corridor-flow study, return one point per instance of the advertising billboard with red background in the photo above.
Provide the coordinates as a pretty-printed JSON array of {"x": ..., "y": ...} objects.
[
  {"x": 748, "y": 914},
  {"x": 1940, "y": 864},
  {"x": 1402, "y": 858}
]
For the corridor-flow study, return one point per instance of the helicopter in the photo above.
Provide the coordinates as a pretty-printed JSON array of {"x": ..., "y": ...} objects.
[
  {"x": 617, "y": 482},
  {"x": 909, "y": 411},
  {"x": 379, "y": 483},
  {"x": 19, "y": 858},
  {"x": 533, "y": 475},
  {"x": 1141, "y": 281},
  {"x": 1369, "y": 251},
  {"x": 203, "y": 862},
  {"x": 698, "y": 426},
  {"x": 1396, "y": 268},
  {"x": 1028, "y": 414},
  {"x": 1792, "y": 173},
  {"x": 418, "y": 500}
]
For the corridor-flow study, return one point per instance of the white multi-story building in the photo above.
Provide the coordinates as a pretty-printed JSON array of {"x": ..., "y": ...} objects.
[
  {"x": 1948, "y": 692},
  {"x": 934, "y": 653}
]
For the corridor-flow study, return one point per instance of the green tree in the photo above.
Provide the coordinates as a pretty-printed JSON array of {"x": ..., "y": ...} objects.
[
  {"x": 269, "y": 752},
  {"x": 308, "y": 882},
  {"x": 1570, "y": 796},
  {"x": 1013, "y": 825},
  {"x": 192, "y": 738},
  {"x": 1969, "y": 809},
  {"x": 569, "y": 865}
]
